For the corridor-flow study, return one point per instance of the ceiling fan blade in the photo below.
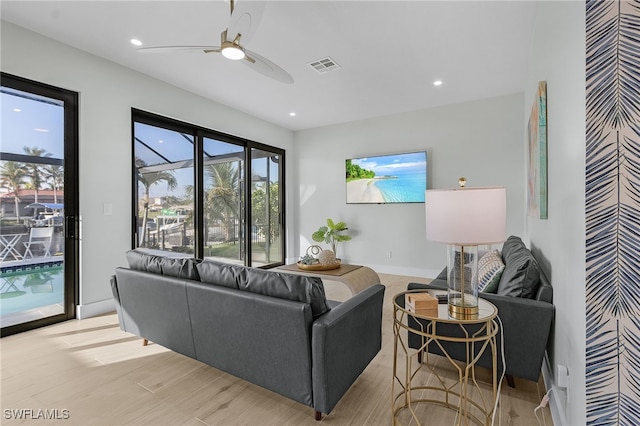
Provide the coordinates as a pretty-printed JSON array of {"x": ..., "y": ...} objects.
[
  {"x": 245, "y": 18},
  {"x": 169, "y": 49},
  {"x": 266, "y": 67}
]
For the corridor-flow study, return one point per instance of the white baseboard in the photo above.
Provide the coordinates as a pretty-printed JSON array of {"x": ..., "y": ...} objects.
[
  {"x": 555, "y": 397},
  {"x": 402, "y": 270},
  {"x": 94, "y": 309}
]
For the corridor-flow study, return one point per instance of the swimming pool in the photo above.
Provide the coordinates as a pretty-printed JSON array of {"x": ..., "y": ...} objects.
[{"x": 31, "y": 294}]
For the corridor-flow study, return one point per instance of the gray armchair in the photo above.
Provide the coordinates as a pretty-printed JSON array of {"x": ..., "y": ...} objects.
[{"x": 525, "y": 322}]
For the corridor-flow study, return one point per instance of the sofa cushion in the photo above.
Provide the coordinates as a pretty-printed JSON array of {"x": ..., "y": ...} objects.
[
  {"x": 521, "y": 276},
  {"x": 288, "y": 286},
  {"x": 490, "y": 268},
  {"x": 179, "y": 266},
  {"x": 223, "y": 274},
  {"x": 261, "y": 281}
]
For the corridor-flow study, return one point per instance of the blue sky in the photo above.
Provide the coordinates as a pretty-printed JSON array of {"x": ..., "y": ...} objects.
[
  {"x": 31, "y": 123},
  {"x": 395, "y": 164}
]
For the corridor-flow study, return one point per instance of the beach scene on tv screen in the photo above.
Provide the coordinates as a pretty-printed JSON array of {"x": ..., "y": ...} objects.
[{"x": 398, "y": 178}]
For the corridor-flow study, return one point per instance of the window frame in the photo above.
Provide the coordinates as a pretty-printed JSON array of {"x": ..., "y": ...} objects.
[{"x": 200, "y": 133}]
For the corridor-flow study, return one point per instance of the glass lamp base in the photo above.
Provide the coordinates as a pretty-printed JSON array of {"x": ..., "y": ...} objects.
[{"x": 462, "y": 281}]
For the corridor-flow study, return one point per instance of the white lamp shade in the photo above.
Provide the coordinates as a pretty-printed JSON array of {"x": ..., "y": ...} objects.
[{"x": 466, "y": 216}]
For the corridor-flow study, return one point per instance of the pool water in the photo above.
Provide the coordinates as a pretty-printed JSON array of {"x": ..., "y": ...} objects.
[{"x": 33, "y": 289}]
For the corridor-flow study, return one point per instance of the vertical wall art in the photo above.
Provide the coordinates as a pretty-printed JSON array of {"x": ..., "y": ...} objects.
[
  {"x": 612, "y": 198},
  {"x": 537, "y": 155}
]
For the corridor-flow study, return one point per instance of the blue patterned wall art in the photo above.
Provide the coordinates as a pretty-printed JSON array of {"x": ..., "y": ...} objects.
[{"x": 613, "y": 212}]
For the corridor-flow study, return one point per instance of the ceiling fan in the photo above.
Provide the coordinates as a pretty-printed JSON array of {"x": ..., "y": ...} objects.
[{"x": 243, "y": 22}]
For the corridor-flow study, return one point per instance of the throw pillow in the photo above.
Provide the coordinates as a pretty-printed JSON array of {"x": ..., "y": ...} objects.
[
  {"x": 490, "y": 268},
  {"x": 521, "y": 276}
]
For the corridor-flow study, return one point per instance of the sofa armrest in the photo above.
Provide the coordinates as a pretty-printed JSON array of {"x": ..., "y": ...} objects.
[
  {"x": 116, "y": 298},
  {"x": 526, "y": 324},
  {"x": 343, "y": 342}
]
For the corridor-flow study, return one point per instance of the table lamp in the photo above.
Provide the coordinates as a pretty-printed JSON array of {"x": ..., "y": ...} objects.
[{"x": 465, "y": 218}]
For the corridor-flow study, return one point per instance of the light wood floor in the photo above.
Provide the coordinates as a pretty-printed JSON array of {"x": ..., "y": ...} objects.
[{"x": 104, "y": 376}]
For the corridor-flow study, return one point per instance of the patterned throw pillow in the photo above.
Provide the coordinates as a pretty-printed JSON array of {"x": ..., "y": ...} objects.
[{"x": 490, "y": 268}]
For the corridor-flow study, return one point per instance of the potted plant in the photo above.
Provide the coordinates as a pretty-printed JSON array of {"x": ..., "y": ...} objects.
[{"x": 331, "y": 234}]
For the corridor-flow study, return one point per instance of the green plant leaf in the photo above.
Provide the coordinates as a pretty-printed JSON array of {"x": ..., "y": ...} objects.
[
  {"x": 330, "y": 234},
  {"x": 319, "y": 235},
  {"x": 340, "y": 226}
]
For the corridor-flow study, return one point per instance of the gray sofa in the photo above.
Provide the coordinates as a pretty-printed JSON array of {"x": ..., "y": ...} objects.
[
  {"x": 524, "y": 298},
  {"x": 272, "y": 329}
]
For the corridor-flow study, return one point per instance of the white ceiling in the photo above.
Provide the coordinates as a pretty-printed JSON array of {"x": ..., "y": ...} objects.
[{"x": 390, "y": 52}]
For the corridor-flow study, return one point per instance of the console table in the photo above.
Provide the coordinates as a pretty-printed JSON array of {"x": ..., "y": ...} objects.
[
  {"x": 463, "y": 395},
  {"x": 355, "y": 277}
]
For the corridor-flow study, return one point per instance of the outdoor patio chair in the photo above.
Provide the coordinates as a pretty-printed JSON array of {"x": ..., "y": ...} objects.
[{"x": 39, "y": 236}]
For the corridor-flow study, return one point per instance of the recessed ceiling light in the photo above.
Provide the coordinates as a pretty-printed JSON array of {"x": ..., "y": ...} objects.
[
  {"x": 136, "y": 42},
  {"x": 160, "y": 141},
  {"x": 437, "y": 83},
  {"x": 292, "y": 114},
  {"x": 38, "y": 129},
  {"x": 17, "y": 110}
]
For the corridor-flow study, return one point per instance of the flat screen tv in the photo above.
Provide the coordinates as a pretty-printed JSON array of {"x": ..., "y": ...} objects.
[{"x": 395, "y": 178}]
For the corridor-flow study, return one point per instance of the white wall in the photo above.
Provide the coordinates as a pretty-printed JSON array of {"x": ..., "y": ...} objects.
[
  {"x": 480, "y": 140},
  {"x": 558, "y": 56},
  {"x": 107, "y": 94}
]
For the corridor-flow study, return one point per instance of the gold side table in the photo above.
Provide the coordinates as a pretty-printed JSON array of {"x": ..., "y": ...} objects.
[{"x": 477, "y": 335}]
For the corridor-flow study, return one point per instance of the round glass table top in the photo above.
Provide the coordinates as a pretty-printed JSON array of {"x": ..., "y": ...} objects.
[{"x": 486, "y": 310}]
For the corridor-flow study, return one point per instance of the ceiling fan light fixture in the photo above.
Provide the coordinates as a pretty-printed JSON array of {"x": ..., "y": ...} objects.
[{"x": 233, "y": 52}]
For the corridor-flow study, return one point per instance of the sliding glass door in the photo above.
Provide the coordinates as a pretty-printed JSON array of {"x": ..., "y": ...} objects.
[
  {"x": 223, "y": 199},
  {"x": 38, "y": 205},
  {"x": 267, "y": 234},
  {"x": 206, "y": 194}
]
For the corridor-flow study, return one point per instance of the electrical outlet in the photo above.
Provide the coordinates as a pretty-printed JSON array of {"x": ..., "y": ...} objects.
[
  {"x": 387, "y": 254},
  {"x": 562, "y": 378}
]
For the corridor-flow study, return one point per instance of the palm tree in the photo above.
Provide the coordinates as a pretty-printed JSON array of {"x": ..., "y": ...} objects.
[
  {"x": 33, "y": 170},
  {"x": 54, "y": 175},
  {"x": 148, "y": 179},
  {"x": 12, "y": 177},
  {"x": 222, "y": 197},
  {"x": 188, "y": 192}
]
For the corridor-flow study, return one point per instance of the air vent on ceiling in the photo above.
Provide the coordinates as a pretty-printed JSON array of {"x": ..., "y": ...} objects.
[{"x": 324, "y": 65}]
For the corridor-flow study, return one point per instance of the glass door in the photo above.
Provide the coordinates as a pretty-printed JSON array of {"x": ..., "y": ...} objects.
[
  {"x": 38, "y": 204},
  {"x": 223, "y": 201},
  {"x": 267, "y": 231},
  {"x": 165, "y": 198}
]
